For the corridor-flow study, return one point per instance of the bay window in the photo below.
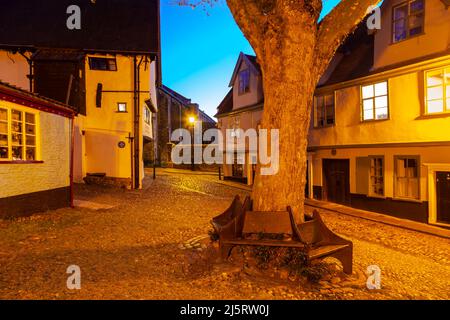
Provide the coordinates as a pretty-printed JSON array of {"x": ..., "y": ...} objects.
[{"x": 17, "y": 135}]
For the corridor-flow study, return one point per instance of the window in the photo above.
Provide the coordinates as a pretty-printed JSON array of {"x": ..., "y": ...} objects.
[
  {"x": 17, "y": 135},
  {"x": 407, "y": 20},
  {"x": 376, "y": 177},
  {"x": 147, "y": 115},
  {"x": 375, "y": 101},
  {"x": 438, "y": 91},
  {"x": 244, "y": 81},
  {"x": 407, "y": 177},
  {"x": 103, "y": 64},
  {"x": 324, "y": 111},
  {"x": 121, "y": 107}
]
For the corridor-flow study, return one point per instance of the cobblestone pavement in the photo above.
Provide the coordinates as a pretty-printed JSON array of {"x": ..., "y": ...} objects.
[{"x": 148, "y": 247}]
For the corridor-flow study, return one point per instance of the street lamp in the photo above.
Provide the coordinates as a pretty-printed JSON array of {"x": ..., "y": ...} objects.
[{"x": 192, "y": 120}]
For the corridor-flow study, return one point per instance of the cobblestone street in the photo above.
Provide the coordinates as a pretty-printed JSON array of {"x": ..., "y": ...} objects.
[{"x": 137, "y": 250}]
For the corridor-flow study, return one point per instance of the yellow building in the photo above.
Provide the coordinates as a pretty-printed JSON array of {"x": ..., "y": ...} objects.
[
  {"x": 107, "y": 71},
  {"x": 35, "y": 153},
  {"x": 380, "y": 129}
]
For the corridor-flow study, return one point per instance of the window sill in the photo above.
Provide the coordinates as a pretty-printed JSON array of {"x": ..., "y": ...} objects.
[
  {"x": 407, "y": 38},
  {"x": 407, "y": 200},
  {"x": 377, "y": 197},
  {"x": 433, "y": 115},
  {"x": 324, "y": 127},
  {"x": 20, "y": 162},
  {"x": 375, "y": 120}
]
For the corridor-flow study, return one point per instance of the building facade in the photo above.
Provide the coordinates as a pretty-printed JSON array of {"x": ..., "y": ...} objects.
[
  {"x": 35, "y": 153},
  {"x": 174, "y": 113},
  {"x": 242, "y": 109},
  {"x": 107, "y": 71},
  {"x": 380, "y": 137}
]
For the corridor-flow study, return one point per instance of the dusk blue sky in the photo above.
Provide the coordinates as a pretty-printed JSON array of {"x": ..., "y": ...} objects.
[{"x": 200, "y": 50}]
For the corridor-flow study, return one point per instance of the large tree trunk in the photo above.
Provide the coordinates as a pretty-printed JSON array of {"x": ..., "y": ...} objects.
[
  {"x": 289, "y": 84},
  {"x": 293, "y": 49}
]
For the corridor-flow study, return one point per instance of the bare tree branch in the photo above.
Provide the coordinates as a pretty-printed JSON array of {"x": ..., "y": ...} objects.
[{"x": 335, "y": 27}]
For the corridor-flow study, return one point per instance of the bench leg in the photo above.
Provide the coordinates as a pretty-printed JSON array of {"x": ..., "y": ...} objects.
[
  {"x": 225, "y": 251},
  {"x": 346, "y": 258}
]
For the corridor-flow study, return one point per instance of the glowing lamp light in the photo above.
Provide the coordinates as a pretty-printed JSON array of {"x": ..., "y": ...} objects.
[{"x": 192, "y": 120}]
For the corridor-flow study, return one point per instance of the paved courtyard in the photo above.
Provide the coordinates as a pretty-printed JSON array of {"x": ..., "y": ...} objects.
[{"x": 137, "y": 250}]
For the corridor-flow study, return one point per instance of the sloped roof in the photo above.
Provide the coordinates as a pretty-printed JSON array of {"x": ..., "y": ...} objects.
[
  {"x": 357, "y": 57},
  {"x": 14, "y": 94},
  {"x": 177, "y": 96},
  {"x": 106, "y": 25},
  {"x": 226, "y": 105},
  {"x": 252, "y": 63}
]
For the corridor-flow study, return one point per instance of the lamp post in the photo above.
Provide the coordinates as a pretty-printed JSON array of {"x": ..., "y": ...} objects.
[{"x": 192, "y": 121}]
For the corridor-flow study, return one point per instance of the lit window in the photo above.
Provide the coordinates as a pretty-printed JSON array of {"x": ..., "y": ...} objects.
[
  {"x": 147, "y": 115},
  {"x": 408, "y": 20},
  {"x": 324, "y": 110},
  {"x": 376, "y": 176},
  {"x": 121, "y": 107},
  {"x": 375, "y": 105},
  {"x": 438, "y": 91},
  {"x": 17, "y": 135},
  {"x": 103, "y": 64},
  {"x": 407, "y": 177},
  {"x": 244, "y": 81}
]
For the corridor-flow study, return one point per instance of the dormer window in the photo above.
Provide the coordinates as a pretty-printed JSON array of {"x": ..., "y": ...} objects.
[
  {"x": 407, "y": 20},
  {"x": 244, "y": 81}
]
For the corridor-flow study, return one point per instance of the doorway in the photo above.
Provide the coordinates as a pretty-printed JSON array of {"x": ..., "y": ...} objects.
[
  {"x": 336, "y": 180},
  {"x": 443, "y": 197}
]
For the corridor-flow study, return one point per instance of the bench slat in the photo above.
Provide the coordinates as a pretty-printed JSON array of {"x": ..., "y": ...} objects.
[
  {"x": 268, "y": 243},
  {"x": 325, "y": 250}
]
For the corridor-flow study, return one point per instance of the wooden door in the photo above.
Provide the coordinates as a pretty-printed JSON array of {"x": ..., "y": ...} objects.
[
  {"x": 336, "y": 179},
  {"x": 443, "y": 196}
]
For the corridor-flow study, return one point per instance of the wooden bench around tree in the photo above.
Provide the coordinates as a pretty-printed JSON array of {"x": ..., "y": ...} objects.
[{"x": 238, "y": 227}]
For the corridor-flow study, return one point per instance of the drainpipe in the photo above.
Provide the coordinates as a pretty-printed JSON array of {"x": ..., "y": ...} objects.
[
  {"x": 72, "y": 146},
  {"x": 137, "y": 117}
]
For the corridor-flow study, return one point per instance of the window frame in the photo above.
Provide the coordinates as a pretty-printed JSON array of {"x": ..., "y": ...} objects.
[
  {"x": 409, "y": 157},
  {"x": 118, "y": 107},
  {"x": 92, "y": 68},
  {"x": 147, "y": 115},
  {"x": 23, "y": 145},
  {"x": 362, "y": 99},
  {"x": 370, "y": 193},
  {"x": 446, "y": 108},
  {"x": 246, "y": 89},
  {"x": 315, "y": 118},
  {"x": 406, "y": 3}
]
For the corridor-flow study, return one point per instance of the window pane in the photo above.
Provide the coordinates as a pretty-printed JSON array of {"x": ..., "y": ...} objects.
[
  {"x": 122, "y": 107},
  {"x": 381, "y": 113},
  {"x": 3, "y": 153},
  {"x": 16, "y": 126},
  {"x": 4, "y": 127},
  {"x": 30, "y": 118},
  {"x": 435, "y": 78},
  {"x": 381, "y": 89},
  {"x": 415, "y": 24},
  {"x": 17, "y": 153},
  {"x": 17, "y": 139},
  {"x": 30, "y": 129},
  {"x": 413, "y": 188},
  {"x": 16, "y": 115},
  {"x": 399, "y": 30},
  {"x": 368, "y": 105},
  {"x": 31, "y": 140},
  {"x": 417, "y": 6},
  {"x": 3, "y": 140},
  {"x": 367, "y": 92},
  {"x": 368, "y": 114},
  {"x": 401, "y": 168},
  {"x": 400, "y": 12},
  {"x": 435, "y": 93},
  {"x": 435, "y": 106},
  {"x": 381, "y": 102},
  {"x": 3, "y": 114},
  {"x": 31, "y": 154}
]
